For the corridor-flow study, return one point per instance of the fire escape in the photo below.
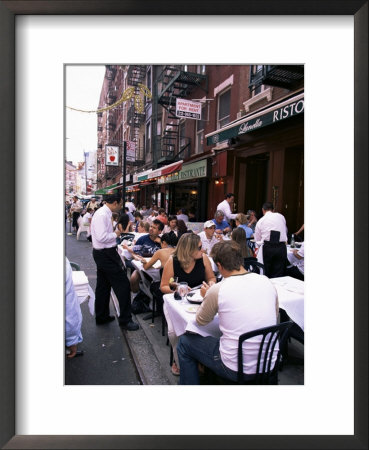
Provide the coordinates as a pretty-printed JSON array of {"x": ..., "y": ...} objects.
[
  {"x": 173, "y": 83},
  {"x": 135, "y": 119},
  {"x": 288, "y": 77}
]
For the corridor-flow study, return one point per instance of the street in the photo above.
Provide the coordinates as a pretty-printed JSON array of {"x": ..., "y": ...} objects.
[{"x": 107, "y": 359}]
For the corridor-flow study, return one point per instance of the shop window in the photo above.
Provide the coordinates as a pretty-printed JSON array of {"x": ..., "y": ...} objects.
[{"x": 224, "y": 108}]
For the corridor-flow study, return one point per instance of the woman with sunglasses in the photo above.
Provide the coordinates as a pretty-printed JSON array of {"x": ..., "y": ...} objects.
[{"x": 188, "y": 263}]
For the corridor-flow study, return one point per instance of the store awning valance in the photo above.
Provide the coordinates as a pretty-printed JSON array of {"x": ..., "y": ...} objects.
[
  {"x": 276, "y": 113},
  {"x": 156, "y": 173},
  {"x": 133, "y": 188},
  {"x": 107, "y": 189}
]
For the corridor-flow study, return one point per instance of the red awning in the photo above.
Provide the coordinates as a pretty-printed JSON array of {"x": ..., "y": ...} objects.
[{"x": 175, "y": 167}]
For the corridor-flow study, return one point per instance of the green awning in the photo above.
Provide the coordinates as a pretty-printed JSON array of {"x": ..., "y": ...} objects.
[
  {"x": 269, "y": 116},
  {"x": 106, "y": 189}
]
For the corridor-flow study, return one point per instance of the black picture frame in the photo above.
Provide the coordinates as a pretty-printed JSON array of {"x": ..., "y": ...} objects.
[{"x": 8, "y": 10}]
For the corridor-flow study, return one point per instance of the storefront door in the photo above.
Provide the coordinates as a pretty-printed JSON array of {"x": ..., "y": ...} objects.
[{"x": 252, "y": 182}]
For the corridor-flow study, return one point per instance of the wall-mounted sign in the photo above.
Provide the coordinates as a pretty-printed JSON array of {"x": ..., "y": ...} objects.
[
  {"x": 188, "y": 109},
  {"x": 277, "y": 113},
  {"x": 197, "y": 169},
  {"x": 131, "y": 151},
  {"x": 112, "y": 155}
]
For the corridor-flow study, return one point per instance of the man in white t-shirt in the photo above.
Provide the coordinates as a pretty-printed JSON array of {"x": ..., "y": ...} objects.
[
  {"x": 244, "y": 302},
  {"x": 208, "y": 240}
]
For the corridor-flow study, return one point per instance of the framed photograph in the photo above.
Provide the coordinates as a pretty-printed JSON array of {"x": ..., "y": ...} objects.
[{"x": 34, "y": 414}]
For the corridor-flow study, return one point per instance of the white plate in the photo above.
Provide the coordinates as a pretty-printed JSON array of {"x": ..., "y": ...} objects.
[{"x": 192, "y": 308}]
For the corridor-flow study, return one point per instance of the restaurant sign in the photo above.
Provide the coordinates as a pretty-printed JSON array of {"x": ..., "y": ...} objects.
[
  {"x": 283, "y": 111},
  {"x": 190, "y": 171}
]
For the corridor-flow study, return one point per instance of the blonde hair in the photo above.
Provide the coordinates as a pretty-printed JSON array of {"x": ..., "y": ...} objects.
[
  {"x": 242, "y": 218},
  {"x": 145, "y": 225},
  {"x": 187, "y": 245}
]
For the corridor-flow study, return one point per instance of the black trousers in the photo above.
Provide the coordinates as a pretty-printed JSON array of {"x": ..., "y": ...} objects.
[
  {"x": 75, "y": 216},
  {"x": 275, "y": 259},
  {"x": 111, "y": 274}
]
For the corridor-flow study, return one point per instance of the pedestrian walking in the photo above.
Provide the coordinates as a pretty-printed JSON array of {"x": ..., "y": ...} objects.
[
  {"x": 110, "y": 270},
  {"x": 75, "y": 208}
]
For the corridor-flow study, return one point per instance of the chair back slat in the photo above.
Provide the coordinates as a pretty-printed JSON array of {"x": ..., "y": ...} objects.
[{"x": 269, "y": 338}]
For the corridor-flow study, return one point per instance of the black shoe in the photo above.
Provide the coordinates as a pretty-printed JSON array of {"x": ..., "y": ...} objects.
[
  {"x": 130, "y": 326},
  {"x": 106, "y": 320}
]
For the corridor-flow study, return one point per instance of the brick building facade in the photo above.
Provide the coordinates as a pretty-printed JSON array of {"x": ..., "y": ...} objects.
[{"x": 250, "y": 139}]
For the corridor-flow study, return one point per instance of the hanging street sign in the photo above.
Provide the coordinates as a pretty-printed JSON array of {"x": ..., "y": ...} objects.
[
  {"x": 112, "y": 155},
  {"x": 131, "y": 151},
  {"x": 188, "y": 109}
]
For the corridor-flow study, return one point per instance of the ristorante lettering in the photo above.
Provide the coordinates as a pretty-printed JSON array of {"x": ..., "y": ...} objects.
[{"x": 288, "y": 111}]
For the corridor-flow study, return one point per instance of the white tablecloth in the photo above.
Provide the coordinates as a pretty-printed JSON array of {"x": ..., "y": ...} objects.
[
  {"x": 291, "y": 257},
  {"x": 186, "y": 321},
  {"x": 83, "y": 289},
  {"x": 153, "y": 272},
  {"x": 291, "y": 297}
]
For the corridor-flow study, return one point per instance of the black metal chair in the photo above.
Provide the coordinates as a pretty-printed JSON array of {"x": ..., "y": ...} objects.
[
  {"x": 251, "y": 244},
  {"x": 74, "y": 266},
  {"x": 265, "y": 373},
  {"x": 294, "y": 332},
  {"x": 253, "y": 265}
]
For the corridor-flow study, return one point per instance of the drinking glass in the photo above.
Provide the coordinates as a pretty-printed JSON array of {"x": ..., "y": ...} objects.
[{"x": 182, "y": 291}]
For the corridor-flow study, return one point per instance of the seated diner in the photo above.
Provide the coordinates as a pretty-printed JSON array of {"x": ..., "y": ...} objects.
[{"x": 188, "y": 263}]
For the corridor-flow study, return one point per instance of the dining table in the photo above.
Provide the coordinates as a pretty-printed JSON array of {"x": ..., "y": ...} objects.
[
  {"x": 290, "y": 256},
  {"x": 183, "y": 314},
  {"x": 153, "y": 271}
]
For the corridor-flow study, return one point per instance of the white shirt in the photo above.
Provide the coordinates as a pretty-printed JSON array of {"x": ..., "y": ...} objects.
[
  {"x": 131, "y": 207},
  {"x": 244, "y": 303},
  {"x": 76, "y": 206},
  {"x": 207, "y": 244},
  {"x": 226, "y": 209},
  {"x": 270, "y": 221},
  {"x": 183, "y": 217},
  {"x": 102, "y": 232}
]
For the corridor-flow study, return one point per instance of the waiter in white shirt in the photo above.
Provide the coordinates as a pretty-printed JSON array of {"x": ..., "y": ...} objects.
[
  {"x": 271, "y": 237},
  {"x": 110, "y": 271},
  {"x": 225, "y": 207}
]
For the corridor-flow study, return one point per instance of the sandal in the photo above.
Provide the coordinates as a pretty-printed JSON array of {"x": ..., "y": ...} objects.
[{"x": 174, "y": 369}]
